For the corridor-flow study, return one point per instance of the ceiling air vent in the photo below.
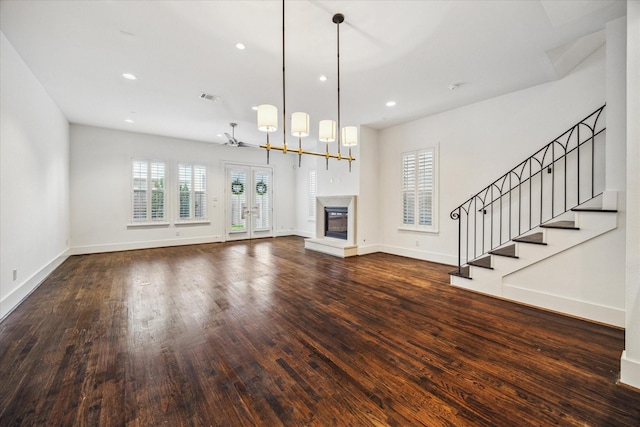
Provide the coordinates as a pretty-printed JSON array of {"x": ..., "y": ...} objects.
[{"x": 209, "y": 97}]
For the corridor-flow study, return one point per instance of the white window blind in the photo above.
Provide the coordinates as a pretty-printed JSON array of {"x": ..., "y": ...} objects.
[
  {"x": 148, "y": 191},
  {"x": 311, "y": 201},
  {"x": 419, "y": 189},
  {"x": 192, "y": 192}
]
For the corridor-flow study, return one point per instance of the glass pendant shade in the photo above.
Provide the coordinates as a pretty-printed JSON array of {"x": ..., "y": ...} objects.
[
  {"x": 349, "y": 136},
  {"x": 327, "y": 131},
  {"x": 300, "y": 124},
  {"x": 267, "y": 118}
]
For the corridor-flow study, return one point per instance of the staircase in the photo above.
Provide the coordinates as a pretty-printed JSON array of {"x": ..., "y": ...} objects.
[
  {"x": 486, "y": 274},
  {"x": 547, "y": 204}
]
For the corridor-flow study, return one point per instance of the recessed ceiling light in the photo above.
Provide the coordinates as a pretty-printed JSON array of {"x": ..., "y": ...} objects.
[
  {"x": 129, "y": 76},
  {"x": 240, "y": 46},
  {"x": 254, "y": 108},
  {"x": 390, "y": 103},
  {"x": 323, "y": 78},
  {"x": 129, "y": 120}
]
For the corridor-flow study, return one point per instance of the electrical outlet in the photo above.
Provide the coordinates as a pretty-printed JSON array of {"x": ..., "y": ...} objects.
[{"x": 15, "y": 274}]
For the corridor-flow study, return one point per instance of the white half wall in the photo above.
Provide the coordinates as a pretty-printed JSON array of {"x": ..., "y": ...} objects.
[
  {"x": 101, "y": 189},
  {"x": 34, "y": 181}
]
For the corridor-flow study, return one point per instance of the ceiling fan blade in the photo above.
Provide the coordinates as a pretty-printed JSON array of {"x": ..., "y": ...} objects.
[
  {"x": 232, "y": 140},
  {"x": 244, "y": 144}
]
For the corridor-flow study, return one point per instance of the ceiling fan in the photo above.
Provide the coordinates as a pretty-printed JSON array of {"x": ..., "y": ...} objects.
[{"x": 232, "y": 141}]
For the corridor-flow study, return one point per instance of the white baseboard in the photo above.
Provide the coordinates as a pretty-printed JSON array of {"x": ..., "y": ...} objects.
[
  {"x": 115, "y": 247},
  {"x": 19, "y": 294},
  {"x": 421, "y": 255},
  {"x": 629, "y": 371},
  {"x": 586, "y": 310},
  {"x": 369, "y": 249},
  {"x": 305, "y": 234}
]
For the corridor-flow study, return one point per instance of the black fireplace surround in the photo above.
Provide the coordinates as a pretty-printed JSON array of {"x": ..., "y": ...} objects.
[{"x": 336, "y": 222}]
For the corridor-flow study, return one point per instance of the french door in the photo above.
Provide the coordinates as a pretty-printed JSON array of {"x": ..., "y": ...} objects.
[{"x": 249, "y": 197}]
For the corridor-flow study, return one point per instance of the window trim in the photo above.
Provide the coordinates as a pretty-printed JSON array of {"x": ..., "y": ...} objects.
[{"x": 433, "y": 228}]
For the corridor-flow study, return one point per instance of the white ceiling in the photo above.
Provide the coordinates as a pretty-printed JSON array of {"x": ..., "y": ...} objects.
[{"x": 406, "y": 51}]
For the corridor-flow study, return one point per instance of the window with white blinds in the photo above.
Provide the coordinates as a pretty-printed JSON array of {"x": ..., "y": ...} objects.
[
  {"x": 311, "y": 200},
  {"x": 148, "y": 191},
  {"x": 192, "y": 192},
  {"x": 419, "y": 190}
]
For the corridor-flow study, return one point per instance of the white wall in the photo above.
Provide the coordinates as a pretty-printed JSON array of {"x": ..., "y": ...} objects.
[
  {"x": 630, "y": 361},
  {"x": 305, "y": 225},
  {"x": 368, "y": 203},
  {"x": 337, "y": 180},
  {"x": 480, "y": 142},
  {"x": 101, "y": 188},
  {"x": 34, "y": 181},
  {"x": 587, "y": 281},
  {"x": 477, "y": 144}
]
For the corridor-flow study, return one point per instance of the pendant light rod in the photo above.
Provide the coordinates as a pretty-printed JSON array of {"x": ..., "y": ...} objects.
[
  {"x": 338, "y": 19},
  {"x": 268, "y": 116},
  {"x": 284, "y": 98}
]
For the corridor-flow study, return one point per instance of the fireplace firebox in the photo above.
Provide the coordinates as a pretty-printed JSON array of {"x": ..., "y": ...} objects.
[{"x": 336, "y": 222}]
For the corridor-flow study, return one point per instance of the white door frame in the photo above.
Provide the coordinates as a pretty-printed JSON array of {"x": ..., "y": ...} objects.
[{"x": 251, "y": 214}]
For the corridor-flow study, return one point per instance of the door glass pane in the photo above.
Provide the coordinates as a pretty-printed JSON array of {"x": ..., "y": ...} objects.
[
  {"x": 238, "y": 200},
  {"x": 262, "y": 206}
]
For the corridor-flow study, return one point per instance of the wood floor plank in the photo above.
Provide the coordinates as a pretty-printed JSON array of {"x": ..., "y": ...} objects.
[{"x": 267, "y": 333}]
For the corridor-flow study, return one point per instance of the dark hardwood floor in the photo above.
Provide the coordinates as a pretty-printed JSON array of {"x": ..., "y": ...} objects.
[{"x": 266, "y": 333}]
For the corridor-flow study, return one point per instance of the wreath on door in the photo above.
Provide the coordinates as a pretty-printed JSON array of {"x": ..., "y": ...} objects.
[
  {"x": 237, "y": 187},
  {"x": 261, "y": 188}
]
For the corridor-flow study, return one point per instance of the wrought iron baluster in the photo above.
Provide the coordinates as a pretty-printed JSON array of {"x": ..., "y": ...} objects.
[{"x": 488, "y": 196}]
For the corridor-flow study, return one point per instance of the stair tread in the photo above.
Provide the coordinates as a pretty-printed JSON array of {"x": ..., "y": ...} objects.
[
  {"x": 593, "y": 210},
  {"x": 484, "y": 262},
  {"x": 507, "y": 251},
  {"x": 535, "y": 238},
  {"x": 565, "y": 225},
  {"x": 464, "y": 272}
]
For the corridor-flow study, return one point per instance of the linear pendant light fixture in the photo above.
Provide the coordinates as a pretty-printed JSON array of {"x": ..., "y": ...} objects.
[{"x": 327, "y": 129}]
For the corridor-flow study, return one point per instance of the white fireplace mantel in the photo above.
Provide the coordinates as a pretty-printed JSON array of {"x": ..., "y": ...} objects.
[{"x": 337, "y": 247}]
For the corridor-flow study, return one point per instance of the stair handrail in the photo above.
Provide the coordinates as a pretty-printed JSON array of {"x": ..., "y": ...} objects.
[{"x": 545, "y": 159}]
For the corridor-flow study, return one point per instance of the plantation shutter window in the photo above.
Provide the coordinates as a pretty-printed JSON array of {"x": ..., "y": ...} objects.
[
  {"x": 148, "y": 191},
  {"x": 419, "y": 196},
  {"x": 408, "y": 188},
  {"x": 192, "y": 192},
  {"x": 311, "y": 201}
]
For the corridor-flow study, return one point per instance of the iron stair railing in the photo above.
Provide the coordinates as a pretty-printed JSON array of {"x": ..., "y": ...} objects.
[{"x": 523, "y": 198}]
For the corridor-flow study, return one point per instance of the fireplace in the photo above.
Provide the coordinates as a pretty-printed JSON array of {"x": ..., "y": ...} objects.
[
  {"x": 335, "y": 226},
  {"x": 336, "y": 222}
]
